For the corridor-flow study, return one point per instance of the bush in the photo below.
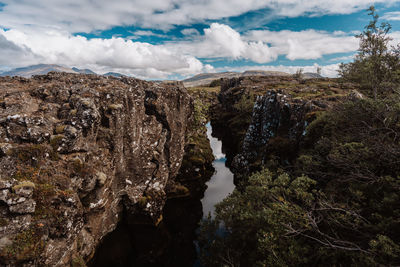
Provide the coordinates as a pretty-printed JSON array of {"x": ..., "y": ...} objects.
[
  {"x": 345, "y": 211},
  {"x": 376, "y": 67}
]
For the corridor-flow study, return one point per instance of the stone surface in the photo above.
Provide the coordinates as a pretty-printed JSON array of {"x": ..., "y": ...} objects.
[
  {"x": 93, "y": 146},
  {"x": 5, "y": 241},
  {"x": 274, "y": 115},
  {"x": 260, "y": 117},
  {"x": 26, "y": 206}
]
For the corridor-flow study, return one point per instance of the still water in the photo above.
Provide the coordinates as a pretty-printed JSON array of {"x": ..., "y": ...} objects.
[{"x": 221, "y": 183}]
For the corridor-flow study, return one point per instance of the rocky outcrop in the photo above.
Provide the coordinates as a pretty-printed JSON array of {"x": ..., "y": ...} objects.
[
  {"x": 76, "y": 150},
  {"x": 171, "y": 242},
  {"x": 278, "y": 122},
  {"x": 261, "y": 120}
]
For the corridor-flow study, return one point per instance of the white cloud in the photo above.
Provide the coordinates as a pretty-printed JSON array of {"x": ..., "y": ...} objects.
[
  {"x": 190, "y": 31},
  {"x": 395, "y": 16},
  {"x": 41, "y": 32},
  {"x": 10, "y": 52},
  {"x": 115, "y": 54},
  {"x": 395, "y": 38},
  {"x": 343, "y": 59},
  {"x": 172, "y": 58},
  {"x": 148, "y": 33},
  {"x": 308, "y": 44},
  {"x": 89, "y": 15},
  {"x": 263, "y": 46},
  {"x": 221, "y": 41}
]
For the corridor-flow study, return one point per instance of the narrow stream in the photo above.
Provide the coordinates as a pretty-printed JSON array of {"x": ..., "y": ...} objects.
[{"x": 221, "y": 183}]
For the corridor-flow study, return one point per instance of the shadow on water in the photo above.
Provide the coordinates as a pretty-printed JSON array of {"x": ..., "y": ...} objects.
[
  {"x": 168, "y": 244},
  {"x": 172, "y": 242}
]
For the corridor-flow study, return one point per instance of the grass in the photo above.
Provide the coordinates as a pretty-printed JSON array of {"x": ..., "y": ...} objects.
[
  {"x": 60, "y": 129},
  {"x": 56, "y": 141},
  {"x": 200, "y": 89},
  {"x": 23, "y": 184}
]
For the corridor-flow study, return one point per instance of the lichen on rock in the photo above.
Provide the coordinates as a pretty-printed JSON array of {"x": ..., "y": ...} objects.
[{"x": 76, "y": 150}]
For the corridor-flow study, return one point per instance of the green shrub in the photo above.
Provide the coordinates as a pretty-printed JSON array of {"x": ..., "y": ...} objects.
[{"x": 376, "y": 66}]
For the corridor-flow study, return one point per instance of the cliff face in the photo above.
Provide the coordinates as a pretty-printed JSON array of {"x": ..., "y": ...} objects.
[
  {"x": 278, "y": 122},
  {"x": 75, "y": 151},
  {"x": 263, "y": 119}
]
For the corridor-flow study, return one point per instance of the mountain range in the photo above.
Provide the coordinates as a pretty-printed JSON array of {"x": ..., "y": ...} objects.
[
  {"x": 205, "y": 79},
  {"x": 197, "y": 80},
  {"x": 40, "y": 69}
]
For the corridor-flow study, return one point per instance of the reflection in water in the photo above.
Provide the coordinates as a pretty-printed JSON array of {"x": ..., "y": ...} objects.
[{"x": 221, "y": 183}]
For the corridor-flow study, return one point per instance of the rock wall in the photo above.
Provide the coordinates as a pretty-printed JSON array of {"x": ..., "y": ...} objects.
[
  {"x": 76, "y": 150},
  {"x": 277, "y": 121},
  {"x": 263, "y": 119},
  {"x": 171, "y": 242}
]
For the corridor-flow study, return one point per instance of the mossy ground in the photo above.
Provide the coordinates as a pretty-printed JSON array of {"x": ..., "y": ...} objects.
[
  {"x": 36, "y": 166},
  {"x": 26, "y": 245}
]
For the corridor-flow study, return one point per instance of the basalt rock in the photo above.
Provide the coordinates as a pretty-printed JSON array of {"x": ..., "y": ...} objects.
[
  {"x": 77, "y": 150},
  {"x": 278, "y": 121},
  {"x": 261, "y": 120},
  {"x": 171, "y": 242}
]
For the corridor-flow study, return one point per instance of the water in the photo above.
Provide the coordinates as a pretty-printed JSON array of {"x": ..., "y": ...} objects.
[{"x": 221, "y": 183}]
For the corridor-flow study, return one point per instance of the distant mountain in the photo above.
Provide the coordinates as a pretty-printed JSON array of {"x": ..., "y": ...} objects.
[
  {"x": 114, "y": 74},
  {"x": 207, "y": 78},
  {"x": 83, "y": 71},
  {"x": 40, "y": 69},
  {"x": 36, "y": 70},
  {"x": 311, "y": 75},
  {"x": 264, "y": 73}
]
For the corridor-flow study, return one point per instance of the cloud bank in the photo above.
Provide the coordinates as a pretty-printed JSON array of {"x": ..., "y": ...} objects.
[
  {"x": 44, "y": 31},
  {"x": 178, "y": 58},
  {"x": 136, "y": 58},
  {"x": 89, "y": 15}
]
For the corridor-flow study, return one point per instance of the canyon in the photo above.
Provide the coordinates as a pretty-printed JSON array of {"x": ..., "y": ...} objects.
[{"x": 102, "y": 170}]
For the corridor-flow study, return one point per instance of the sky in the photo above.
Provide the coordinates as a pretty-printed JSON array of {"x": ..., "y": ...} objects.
[{"x": 176, "y": 39}]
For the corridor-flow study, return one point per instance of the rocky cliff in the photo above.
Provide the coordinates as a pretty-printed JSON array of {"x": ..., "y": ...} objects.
[
  {"x": 262, "y": 120},
  {"x": 77, "y": 150},
  {"x": 277, "y": 127}
]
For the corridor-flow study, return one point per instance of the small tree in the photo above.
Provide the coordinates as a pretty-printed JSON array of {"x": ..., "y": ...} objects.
[
  {"x": 375, "y": 66},
  {"x": 319, "y": 70},
  {"x": 299, "y": 74}
]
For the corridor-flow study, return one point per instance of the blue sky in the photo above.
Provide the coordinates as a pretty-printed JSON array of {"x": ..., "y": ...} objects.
[{"x": 174, "y": 39}]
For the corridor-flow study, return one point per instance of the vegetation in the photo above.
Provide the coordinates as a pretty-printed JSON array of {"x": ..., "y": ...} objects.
[
  {"x": 25, "y": 245},
  {"x": 338, "y": 204},
  {"x": 215, "y": 83},
  {"x": 198, "y": 153},
  {"x": 23, "y": 184},
  {"x": 299, "y": 74},
  {"x": 346, "y": 210},
  {"x": 377, "y": 66}
]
